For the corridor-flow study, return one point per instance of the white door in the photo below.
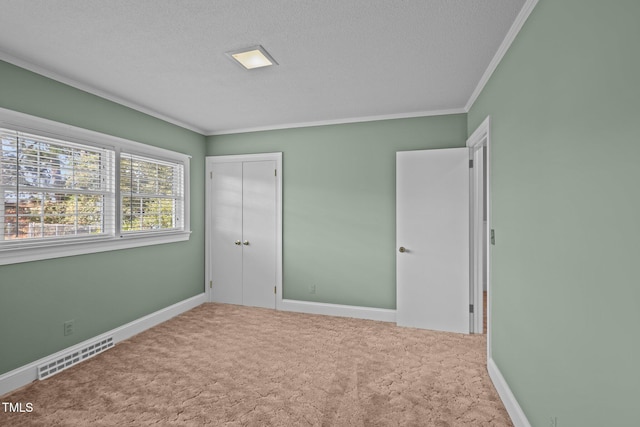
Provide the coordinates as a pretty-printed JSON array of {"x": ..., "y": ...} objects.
[
  {"x": 226, "y": 232},
  {"x": 259, "y": 234},
  {"x": 432, "y": 232},
  {"x": 243, "y": 233}
]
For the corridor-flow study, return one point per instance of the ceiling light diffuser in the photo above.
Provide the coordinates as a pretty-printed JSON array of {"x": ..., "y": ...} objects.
[{"x": 253, "y": 57}]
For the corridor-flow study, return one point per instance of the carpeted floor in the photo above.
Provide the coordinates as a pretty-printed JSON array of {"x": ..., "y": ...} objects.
[{"x": 236, "y": 366}]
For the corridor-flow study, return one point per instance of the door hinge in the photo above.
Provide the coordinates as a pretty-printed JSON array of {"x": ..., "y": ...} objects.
[
  {"x": 470, "y": 308},
  {"x": 274, "y": 289},
  {"x": 211, "y": 175},
  {"x": 210, "y": 283},
  {"x": 275, "y": 172},
  {"x": 470, "y": 163}
]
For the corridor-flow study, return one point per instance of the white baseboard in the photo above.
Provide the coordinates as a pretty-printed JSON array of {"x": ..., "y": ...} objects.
[
  {"x": 381, "y": 314},
  {"x": 23, "y": 375},
  {"x": 516, "y": 413}
]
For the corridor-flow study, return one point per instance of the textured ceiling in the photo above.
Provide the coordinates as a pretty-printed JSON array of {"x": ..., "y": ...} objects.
[{"x": 340, "y": 60}]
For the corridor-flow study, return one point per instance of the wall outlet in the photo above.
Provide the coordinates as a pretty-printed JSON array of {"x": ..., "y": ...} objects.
[
  {"x": 312, "y": 289},
  {"x": 68, "y": 327}
]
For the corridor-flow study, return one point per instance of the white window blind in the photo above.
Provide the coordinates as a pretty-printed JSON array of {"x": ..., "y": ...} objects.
[
  {"x": 151, "y": 194},
  {"x": 54, "y": 189},
  {"x": 71, "y": 191}
]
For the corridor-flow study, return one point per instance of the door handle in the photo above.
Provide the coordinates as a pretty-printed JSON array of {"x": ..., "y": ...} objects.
[
  {"x": 246, "y": 243},
  {"x": 402, "y": 249},
  {"x": 238, "y": 242}
]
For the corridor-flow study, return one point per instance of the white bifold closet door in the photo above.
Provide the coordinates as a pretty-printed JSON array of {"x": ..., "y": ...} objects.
[{"x": 243, "y": 238}]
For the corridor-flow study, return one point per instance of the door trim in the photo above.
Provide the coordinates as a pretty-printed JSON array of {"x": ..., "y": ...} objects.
[
  {"x": 210, "y": 161},
  {"x": 478, "y": 139}
]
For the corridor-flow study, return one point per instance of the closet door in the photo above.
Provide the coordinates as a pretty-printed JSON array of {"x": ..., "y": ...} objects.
[
  {"x": 259, "y": 233},
  {"x": 244, "y": 225},
  {"x": 226, "y": 232}
]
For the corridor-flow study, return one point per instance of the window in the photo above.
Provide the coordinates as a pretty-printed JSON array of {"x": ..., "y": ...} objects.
[
  {"x": 54, "y": 189},
  {"x": 150, "y": 194},
  {"x": 68, "y": 191}
]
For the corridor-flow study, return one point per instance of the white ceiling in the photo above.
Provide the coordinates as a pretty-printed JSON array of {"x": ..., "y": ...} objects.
[{"x": 340, "y": 60}]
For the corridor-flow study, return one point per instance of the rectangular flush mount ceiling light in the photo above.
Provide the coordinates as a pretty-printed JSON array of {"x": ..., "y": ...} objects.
[{"x": 253, "y": 57}]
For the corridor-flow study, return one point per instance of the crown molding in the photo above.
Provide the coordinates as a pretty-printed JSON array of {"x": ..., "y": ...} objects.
[
  {"x": 94, "y": 91},
  {"x": 517, "y": 25},
  {"x": 127, "y": 103},
  {"x": 522, "y": 17},
  {"x": 341, "y": 121},
  {"x": 526, "y": 10}
]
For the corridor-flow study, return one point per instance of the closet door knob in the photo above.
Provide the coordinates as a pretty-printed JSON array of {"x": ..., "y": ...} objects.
[
  {"x": 246, "y": 243},
  {"x": 238, "y": 242}
]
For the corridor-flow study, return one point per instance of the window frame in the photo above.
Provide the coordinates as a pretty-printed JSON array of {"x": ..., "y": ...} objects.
[
  {"x": 105, "y": 168},
  {"x": 180, "y": 196},
  {"x": 23, "y": 250}
]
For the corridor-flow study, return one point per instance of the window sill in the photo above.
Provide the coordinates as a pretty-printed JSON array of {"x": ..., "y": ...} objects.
[{"x": 36, "y": 252}]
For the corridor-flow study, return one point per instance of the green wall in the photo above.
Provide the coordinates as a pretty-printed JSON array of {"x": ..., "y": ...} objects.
[
  {"x": 566, "y": 210},
  {"x": 104, "y": 290},
  {"x": 339, "y": 201}
]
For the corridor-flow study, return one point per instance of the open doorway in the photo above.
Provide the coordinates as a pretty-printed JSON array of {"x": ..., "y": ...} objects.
[{"x": 478, "y": 144}]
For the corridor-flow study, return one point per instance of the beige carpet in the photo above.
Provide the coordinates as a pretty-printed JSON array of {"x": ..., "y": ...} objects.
[{"x": 235, "y": 366}]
